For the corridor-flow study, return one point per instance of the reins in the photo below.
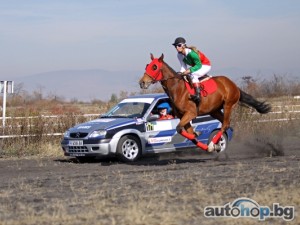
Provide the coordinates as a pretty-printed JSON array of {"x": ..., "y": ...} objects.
[{"x": 154, "y": 79}]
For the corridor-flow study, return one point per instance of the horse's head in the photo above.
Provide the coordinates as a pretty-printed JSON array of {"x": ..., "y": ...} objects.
[{"x": 153, "y": 72}]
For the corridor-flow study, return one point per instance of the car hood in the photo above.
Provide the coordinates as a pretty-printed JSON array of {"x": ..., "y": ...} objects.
[{"x": 104, "y": 124}]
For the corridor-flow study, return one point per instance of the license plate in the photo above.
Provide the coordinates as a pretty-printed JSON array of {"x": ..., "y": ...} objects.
[{"x": 76, "y": 143}]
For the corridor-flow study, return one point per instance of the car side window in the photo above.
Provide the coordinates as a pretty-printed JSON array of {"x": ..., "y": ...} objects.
[{"x": 158, "y": 107}]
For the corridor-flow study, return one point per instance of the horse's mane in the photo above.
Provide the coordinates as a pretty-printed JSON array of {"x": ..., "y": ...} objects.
[{"x": 170, "y": 68}]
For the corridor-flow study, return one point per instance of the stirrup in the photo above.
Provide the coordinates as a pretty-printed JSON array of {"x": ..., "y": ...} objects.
[{"x": 195, "y": 98}]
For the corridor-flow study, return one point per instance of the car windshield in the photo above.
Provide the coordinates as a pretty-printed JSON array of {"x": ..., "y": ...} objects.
[{"x": 128, "y": 110}]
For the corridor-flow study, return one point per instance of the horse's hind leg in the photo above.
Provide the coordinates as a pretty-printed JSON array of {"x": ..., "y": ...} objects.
[
  {"x": 212, "y": 146},
  {"x": 225, "y": 120},
  {"x": 219, "y": 115},
  {"x": 227, "y": 114}
]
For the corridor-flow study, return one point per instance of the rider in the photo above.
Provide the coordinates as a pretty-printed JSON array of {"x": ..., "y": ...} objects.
[
  {"x": 199, "y": 64},
  {"x": 164, "y": 111}
]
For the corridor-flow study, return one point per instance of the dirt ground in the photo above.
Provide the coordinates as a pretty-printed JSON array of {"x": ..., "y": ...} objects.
[{"x": 165, "y": 189}]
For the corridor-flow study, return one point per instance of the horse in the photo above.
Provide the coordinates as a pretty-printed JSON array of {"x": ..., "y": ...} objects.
[{"x": 218, "y": 104}]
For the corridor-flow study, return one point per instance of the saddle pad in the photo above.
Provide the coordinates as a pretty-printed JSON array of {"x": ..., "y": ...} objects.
[{"x": 209, "y": 87}]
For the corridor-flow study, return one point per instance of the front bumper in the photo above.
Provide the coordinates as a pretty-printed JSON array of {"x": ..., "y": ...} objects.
[{"x": 95, "y": 148}]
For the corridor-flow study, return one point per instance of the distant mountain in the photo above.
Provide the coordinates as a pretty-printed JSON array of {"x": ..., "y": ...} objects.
[
  {"x": 84, "y": 85},
  {"x": 236, "y": 74}
]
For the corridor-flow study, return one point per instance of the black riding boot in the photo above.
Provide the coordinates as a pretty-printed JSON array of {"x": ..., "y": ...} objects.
[{"x": 197, "y": 97}]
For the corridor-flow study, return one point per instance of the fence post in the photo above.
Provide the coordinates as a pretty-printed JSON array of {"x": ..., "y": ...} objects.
[{"x": 5, "y": 87}]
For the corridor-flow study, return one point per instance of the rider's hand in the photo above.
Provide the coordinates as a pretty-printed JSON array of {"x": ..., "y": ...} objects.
[
  {"x": 180, "y": 73},
  {"x": 187, "y": 72}
]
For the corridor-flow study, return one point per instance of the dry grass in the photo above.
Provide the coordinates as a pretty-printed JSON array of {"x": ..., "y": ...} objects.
[
  {"x": 31, "y": 146},
  {"x": 35, "y": 135}
]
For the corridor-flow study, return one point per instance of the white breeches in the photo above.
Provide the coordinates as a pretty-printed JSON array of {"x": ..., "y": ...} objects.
[{"x": 199, "y": 73}]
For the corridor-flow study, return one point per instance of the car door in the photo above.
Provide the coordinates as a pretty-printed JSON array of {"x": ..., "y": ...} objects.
[{"x": 161, "y": 136}]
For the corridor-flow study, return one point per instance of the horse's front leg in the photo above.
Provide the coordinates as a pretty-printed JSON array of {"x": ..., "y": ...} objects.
[
  {"x": 188, "y": 127},
  {"x": 189, "y": 131}
]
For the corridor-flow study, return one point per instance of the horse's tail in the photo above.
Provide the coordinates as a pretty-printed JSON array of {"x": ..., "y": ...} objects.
[{"x": 261, "y": 107}]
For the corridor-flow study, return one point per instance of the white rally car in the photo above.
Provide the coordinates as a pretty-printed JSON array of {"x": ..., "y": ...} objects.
[{"x": 131, "y": 129}]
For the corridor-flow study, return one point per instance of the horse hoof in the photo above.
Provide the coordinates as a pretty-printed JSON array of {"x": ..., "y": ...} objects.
[
  {"x": 217, "y": 148},
  {"x": 211, "y": 147}
]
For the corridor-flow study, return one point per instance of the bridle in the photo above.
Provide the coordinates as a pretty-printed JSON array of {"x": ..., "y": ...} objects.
[
  {"x": 154, "y": 71},
  {"x": 154, "y": 79}
]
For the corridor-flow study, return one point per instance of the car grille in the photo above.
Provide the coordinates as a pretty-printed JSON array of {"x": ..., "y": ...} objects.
[
  {"x": 78, "y": 149},
  {"x": 78, "y": 135}
]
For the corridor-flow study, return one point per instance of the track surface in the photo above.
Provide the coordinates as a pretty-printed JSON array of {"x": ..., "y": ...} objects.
[{"x": 155, "y": 190}]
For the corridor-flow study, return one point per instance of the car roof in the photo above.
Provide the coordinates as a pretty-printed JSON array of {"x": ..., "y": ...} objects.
[{"x": 155, "y": 96}]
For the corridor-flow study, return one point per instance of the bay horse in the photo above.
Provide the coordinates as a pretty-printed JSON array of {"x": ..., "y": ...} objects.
[{"x": 218, "y": 104}]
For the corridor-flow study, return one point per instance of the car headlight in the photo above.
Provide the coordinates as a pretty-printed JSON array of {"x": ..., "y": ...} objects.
[
  {"x": 98, "y": 133},
  {"x": 67, "y": 134}
]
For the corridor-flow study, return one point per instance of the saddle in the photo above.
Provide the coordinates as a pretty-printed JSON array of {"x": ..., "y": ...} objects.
[{"x": 207, "y": 85}]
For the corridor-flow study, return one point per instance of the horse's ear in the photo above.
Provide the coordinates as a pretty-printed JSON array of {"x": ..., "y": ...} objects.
[
  {"x": 151, "y": 55},
  {"x": 161, "y": 58}
]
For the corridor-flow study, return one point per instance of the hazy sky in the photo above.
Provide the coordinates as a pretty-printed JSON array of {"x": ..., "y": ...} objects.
[{"x": 46, "y": 35}]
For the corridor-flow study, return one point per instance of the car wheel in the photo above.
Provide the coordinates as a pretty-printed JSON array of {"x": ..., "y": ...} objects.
[
  {"x": 129, "y": 148},
  {"x": 223, "y": 140}
]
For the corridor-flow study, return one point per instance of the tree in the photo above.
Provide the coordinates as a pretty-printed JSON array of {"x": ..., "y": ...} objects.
[
  {"x": 250, "y": 85},
  {"x": 113, "y": 98}
]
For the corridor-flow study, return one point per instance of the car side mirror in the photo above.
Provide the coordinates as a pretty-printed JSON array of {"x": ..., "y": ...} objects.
[{"x": 153, "y": 117}]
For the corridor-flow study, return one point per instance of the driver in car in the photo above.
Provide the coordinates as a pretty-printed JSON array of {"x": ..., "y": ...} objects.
[{"x": 164, "y": 111}]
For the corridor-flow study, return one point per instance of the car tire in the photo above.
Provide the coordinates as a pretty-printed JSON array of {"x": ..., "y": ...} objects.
[
  {"x": 223, "y": 140},
  {"x": 129, "y": 148}
]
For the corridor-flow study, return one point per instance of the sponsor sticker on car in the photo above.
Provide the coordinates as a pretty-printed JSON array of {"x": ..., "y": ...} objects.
[
  {"x": 162, "y": 125},
  {"x": 84, "y": 127},
  {"x": 159, "y": 140}
]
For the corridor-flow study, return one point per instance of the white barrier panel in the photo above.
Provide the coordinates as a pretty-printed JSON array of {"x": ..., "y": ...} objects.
[
  {"x": 9, "y": 86},
  {"x": 6, "y": 87}
]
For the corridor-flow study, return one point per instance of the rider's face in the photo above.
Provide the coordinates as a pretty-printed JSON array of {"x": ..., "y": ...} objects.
[{"x": 179, "y": 47}]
